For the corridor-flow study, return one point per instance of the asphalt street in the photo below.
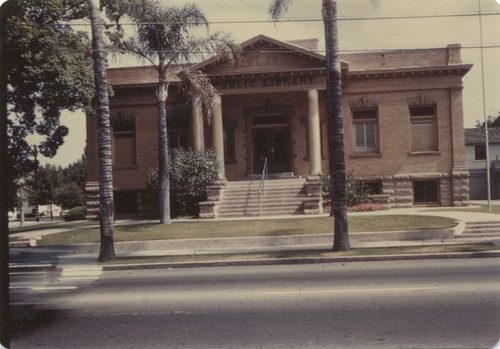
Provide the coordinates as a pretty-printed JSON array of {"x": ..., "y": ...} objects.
[{"x": 403, "y": 304}]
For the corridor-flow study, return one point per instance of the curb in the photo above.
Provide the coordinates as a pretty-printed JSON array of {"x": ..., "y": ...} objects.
[{"x": 303, "y": 260}]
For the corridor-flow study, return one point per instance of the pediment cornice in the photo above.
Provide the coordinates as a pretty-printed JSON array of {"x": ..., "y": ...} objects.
[{"x": 262, "y": 54}]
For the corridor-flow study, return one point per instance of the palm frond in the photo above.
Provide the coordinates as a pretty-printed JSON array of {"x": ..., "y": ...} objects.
[
  {"x": 228, "y": 50},
  {"x": 162, "y": 33},
  {"x": 197, "y": 84},
  {"x": 278, "y": 8}
]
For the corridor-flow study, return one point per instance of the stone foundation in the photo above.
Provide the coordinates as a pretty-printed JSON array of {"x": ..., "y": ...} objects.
[
  {"x": 313, "y": 204},
  {"x": 397, "y": 191},
  {"x": 208, "y": 209},
  {"x": 92, "y": 200}
]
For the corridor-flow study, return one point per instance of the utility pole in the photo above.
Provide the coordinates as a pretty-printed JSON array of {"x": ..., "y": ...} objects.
[
  {"x": 35, "y": 186},
  {"x": 21, "y": 206},
  {"x": 486, "y": 136}
]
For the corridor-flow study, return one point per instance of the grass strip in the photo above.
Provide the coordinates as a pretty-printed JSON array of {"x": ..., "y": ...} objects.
[
  {"x": 50, "y": 225},
  {"x": 246, "y": 228},
  {"x": 311, "y": 253}
]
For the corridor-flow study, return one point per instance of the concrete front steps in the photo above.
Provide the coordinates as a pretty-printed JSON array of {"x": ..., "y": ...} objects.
[
  {"x": 280, "y": 197},
  {"x": 483, "y": 229}
]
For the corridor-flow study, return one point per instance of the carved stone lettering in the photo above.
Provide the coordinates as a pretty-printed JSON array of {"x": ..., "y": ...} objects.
[{"x": 263, "y": 82}]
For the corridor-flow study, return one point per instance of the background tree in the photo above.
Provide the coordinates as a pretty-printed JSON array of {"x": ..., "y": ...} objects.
[
  {"x": 61, "y": 186},
  {"x": 165, "y": 37},
  {"x": 105, "y": 170},
  {"x": 493, "y": 121},
  {"x": 48, "y": 180},
  {"x": 334, "y": 116},
  {"x": 48, "y": 69}
]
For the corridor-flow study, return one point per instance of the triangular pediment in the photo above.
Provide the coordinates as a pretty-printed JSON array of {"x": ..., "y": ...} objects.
[{"x": 262, "y": 54}]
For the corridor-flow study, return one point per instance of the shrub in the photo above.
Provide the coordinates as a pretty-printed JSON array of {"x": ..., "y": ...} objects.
[
  {"x": 190, "y": 174},
  {"x": 356, "y": 192},
  {"x": 152, "y": 185},
  {"x": 69, "y": 195},
  {"x": 75, "y": 214}
]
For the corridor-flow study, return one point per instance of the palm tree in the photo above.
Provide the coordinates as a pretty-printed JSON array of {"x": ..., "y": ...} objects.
[
  {"x": 164, "y": 37},
  {"x": 335, "y": 118},
  {"x": 4, "y": 222},
  {"x": 105, "y": 170}
]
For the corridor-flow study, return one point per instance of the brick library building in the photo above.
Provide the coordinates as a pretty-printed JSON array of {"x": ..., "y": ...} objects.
[{"x": 403, "y": 129}]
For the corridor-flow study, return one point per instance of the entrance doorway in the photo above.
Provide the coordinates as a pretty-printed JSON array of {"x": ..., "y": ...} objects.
[{"x": 273, "y": 144}]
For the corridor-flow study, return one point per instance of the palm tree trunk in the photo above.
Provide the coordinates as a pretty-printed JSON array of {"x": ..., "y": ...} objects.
[
  {"x": 335, "y": 128},
  {"x": 105, "y": 170},
  {"x": 164, "y": 181},
  {"x": 4, "y": 220}
]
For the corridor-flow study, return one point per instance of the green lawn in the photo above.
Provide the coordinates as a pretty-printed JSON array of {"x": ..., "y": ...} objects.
[
  {"x": 45, "y": 224},
  {"x": 242, "y": 228}
]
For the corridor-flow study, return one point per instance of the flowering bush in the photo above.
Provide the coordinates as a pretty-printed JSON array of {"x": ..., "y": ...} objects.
[
  {"x": 367, "y": 206},
  {"x": 356, "y": 192}
]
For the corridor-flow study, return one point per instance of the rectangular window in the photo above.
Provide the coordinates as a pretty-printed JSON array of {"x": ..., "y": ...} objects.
[
  {"x": 178, "y": 130},
  {"x": 125, "y": 202},
  {"x": 229, "y": 146},
  {"x": 375, "y": 187},
  {"x": 426, "y": 191},
  {"x": 178, "y": 139},
  {"x": 423, "y": 129},
  {"x": 480, "y": 152},
  {"x": 365, "y": 130},
  {"x": 124, "y": 143}
]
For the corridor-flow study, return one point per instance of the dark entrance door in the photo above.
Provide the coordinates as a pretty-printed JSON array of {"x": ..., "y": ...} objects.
[{"x": 273, "y": 144}]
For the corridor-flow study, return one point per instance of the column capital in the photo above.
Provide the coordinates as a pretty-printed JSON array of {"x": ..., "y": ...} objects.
[{"x": 217, "y": 99}]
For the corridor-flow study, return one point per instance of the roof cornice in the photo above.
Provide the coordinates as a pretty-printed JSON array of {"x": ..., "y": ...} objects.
[{"x": 460, "y": 69}]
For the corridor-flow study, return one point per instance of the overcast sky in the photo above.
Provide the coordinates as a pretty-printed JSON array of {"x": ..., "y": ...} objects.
[{"x": 375, "y": 34}]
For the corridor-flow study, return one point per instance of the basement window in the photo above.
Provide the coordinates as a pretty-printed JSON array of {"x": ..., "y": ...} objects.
[{"x": 426, "y": 191}]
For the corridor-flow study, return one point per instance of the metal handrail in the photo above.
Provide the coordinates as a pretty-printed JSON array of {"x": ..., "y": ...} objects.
[{"x": 262, "y": 187}]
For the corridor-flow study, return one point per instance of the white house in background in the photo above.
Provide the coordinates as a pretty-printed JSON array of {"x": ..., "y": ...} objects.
[{"x": 475, "y": 157}]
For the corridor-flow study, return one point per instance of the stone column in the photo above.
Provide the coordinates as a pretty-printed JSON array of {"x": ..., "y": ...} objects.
[
  {"x": 313, "y": 124},
  {"x": 218, "y": 135},
  {"x": 197, "y": 125}
]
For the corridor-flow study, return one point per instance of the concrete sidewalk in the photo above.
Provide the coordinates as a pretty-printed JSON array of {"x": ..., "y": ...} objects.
[{"x": 456, "y": 213}]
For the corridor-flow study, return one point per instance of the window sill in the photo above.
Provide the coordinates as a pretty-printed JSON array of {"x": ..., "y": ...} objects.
[
  {"x": 427, "y": 204},
  {"x": 423, "y": 153},
  {"x": 125, "y": 167},
  {"x": 365, "y": 155}
]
